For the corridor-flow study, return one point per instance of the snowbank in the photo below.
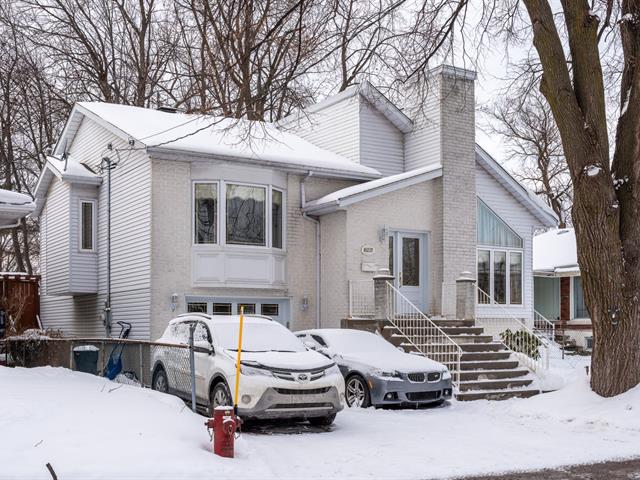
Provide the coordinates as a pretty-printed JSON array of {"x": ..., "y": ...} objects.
[{"x": 88, "y": 427}]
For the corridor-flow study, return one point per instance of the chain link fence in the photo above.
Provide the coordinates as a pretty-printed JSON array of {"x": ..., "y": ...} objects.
[{"x": 133, "y": 362}]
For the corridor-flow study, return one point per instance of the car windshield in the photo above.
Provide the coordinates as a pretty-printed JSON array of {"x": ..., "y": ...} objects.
[
  {"x": 351, "y": 341},
  {"x": 257, "y": 337}
]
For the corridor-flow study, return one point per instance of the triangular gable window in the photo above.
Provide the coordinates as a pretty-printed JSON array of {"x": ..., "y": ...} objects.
[{"x": 493, "y": 231}]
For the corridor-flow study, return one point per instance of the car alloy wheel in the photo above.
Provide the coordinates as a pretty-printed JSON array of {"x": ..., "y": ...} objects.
[
  {"x": 220, "y": 396},
  {"x": 357, "y": 394},
  {"x": 160, "y": 382}
]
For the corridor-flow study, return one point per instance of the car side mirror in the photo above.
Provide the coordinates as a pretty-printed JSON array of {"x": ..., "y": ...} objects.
[
  {"x": 203, "y": 346},
  {"x": 401, "y": 349},
  {"x": 310, "y": 345},
  {"x": 327, "y": 352}
]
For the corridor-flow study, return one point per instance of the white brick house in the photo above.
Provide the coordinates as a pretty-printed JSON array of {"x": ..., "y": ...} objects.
[{"x": 210, "y": 215}]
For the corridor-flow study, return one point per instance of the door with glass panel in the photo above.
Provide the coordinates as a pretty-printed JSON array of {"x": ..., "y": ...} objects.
[{"x": 408, "y": 262}]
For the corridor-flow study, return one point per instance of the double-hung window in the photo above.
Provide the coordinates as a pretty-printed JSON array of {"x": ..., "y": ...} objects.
[
  {"x": 500, "y": 259},
  {"x": 249, "y": 215},
  {"x": 87, "y": 225}
]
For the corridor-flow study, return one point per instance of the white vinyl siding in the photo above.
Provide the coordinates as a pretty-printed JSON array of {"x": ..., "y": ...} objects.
[
  {"x": 130, "y": 245},
  {"x": 334, "y": 128},
  {"x": 523, "y": 223},
  {"x": 54, "y": 238},
  {"x": 381, "y": 143}
]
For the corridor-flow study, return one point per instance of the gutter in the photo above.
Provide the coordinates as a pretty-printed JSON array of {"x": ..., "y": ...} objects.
[
  {"x": 316, "y": 221},
  {"x": 175, "y": 154}
]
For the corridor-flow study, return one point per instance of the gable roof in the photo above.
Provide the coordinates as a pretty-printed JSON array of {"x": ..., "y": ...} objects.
[
  {"x": 370, "y": 93},
  {"x": 347, "y": 196},
  {"x": 555, "y": 252},
  {"x": 69, "y": 170},
  {"x": 525, "y": 196},
  {"x": 173, "y": 135}
]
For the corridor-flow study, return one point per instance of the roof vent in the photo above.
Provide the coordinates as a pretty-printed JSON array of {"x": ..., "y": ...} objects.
[{"x": 167, "y": 109}]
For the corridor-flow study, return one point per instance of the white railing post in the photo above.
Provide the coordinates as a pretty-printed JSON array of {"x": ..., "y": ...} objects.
[
  {"x": 532, "y": 340},
  {"x": 421, "y": 332}
]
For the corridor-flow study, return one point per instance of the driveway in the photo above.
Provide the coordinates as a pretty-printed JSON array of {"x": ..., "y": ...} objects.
[{"x": 626, "y": 470}]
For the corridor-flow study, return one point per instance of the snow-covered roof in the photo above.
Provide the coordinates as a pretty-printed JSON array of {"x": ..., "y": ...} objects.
[
  {"x": 173, "y": 134},
  {"x": 356, "y": 193},
  {"x": 376, "y": 98},
  {"x": 529, "y": 199},
  {"x": 554, "y": 252},
  {"x": 14, "y": 206},
  {"x": 67, "y": 169}
]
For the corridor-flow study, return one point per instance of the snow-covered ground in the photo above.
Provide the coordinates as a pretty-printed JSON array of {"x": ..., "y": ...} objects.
[{"x": 88, "y": 427}]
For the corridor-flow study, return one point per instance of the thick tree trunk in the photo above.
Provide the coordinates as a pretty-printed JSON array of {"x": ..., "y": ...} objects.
[{"x": 610, "y": 270}]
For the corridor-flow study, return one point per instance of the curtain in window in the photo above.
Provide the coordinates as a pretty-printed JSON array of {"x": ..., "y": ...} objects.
[
  {"x": 246, "y": 215},
  {"x": 579, "y": 307},
  {"x": 276, "y": 219},
  {"x": 492, "y": 230},
  {"x": 206, "y": 212}
]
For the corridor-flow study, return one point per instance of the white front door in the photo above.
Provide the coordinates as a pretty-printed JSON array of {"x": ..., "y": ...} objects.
[{"x": 410, "y": 262}]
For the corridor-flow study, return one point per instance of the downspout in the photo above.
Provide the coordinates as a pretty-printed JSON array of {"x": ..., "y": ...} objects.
[{"x": 303, "y": 203}]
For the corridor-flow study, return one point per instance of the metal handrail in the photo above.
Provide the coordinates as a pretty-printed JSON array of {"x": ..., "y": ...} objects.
[
  {"x": 544, "y": 342},
  {"x": 549, "y": 326},
  {"x": 422, "y": 333}
]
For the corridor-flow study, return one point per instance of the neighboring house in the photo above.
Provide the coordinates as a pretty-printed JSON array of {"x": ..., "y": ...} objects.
[
  {"x": 558, "y": 286},
  {"x": 19, "y": 307},
  {"x": 289, "y": 220}
]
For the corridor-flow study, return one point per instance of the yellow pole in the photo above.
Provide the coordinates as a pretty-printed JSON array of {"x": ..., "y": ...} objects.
[{"x": 235, "y": 396}]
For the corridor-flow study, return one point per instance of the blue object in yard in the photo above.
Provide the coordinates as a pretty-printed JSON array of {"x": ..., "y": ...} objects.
[{"x": 114, "y": 365}]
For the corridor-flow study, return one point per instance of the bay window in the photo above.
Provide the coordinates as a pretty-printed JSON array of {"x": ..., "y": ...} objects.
[
  {"x": 276, "y": 218},
  {"x": 243, "y": 217},
  {"x": 246, "y": 219},
  {"x": 206, "y": 212},
  {"x": 499, "y": 259}
]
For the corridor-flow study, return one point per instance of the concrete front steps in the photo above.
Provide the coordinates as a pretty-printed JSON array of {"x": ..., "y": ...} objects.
[{"x": 487, "y": 370}]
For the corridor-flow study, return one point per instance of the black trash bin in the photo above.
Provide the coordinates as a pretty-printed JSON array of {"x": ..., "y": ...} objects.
[{"x": 86, "y": 358}]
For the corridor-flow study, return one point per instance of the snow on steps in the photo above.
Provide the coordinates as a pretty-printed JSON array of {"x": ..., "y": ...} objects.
[{"x": 487, "y": 369}]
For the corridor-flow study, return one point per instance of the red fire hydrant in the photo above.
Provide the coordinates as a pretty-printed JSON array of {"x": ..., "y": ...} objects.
[{"x": 224, "y": 425}]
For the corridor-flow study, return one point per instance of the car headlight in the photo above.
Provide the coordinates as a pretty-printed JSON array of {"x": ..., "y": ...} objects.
[
  {"x": 254, "y": 371},
  {"x": 333, "y": 370},
  {"x": 387, "y": 374},
  {"x": 446, "y": 375}
]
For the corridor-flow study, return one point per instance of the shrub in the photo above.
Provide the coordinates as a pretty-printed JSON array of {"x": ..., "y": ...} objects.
[{"x": 523, "y": 342}]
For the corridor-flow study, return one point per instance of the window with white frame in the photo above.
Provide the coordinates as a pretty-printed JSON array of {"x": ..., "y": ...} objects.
[
  {"x": 276, "y": 218},
  {"x": 244, "y": 214},
  {"x": 205, "y": 212},
  {"x": 87, "y": 225},
  {"x": 500, "y": 259}
]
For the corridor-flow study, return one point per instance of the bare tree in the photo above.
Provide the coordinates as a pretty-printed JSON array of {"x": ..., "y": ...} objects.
[
  {"x": 570, "y": 43},
  {"x": 534, "y": 146},
  {"x": 111, "y": 50}
]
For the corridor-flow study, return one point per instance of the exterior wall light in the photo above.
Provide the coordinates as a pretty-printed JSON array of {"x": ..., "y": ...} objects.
[{"x": 174, "y": 302}]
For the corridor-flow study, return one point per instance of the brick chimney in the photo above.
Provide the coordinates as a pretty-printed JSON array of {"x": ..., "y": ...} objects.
[{"x": 444, "y": 132}]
